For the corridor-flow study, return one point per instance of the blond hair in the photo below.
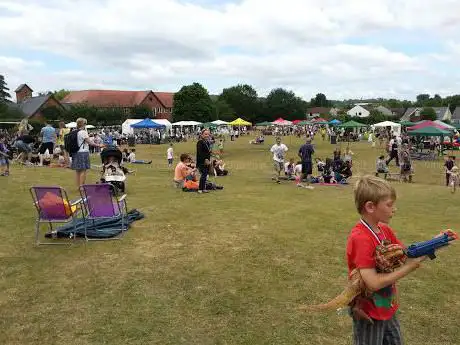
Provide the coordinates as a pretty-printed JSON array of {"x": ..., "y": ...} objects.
[
  {"x": 81, "y": 122},
  {"x": 374, "y": 189}
]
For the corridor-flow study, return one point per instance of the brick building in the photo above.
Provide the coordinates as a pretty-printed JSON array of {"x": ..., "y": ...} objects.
[
  {"x": 160, "y": 103},
  {"x": 31, "y": 106}
]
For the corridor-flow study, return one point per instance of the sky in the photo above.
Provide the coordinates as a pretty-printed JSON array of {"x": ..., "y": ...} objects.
[{"x": 342, "y": 48}]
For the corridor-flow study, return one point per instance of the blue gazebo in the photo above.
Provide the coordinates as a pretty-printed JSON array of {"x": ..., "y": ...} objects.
[
  {"x": 335, "y": 122},
  {"x": 147, "y": 123}
]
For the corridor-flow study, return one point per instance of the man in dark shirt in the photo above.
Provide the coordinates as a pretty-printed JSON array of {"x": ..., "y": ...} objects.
[
  {"x": 203, "y": 157},
  {"x": 449, "y": 164},
  {"x": 305, "y": 153},
  {"x": 394, "y": 154}
]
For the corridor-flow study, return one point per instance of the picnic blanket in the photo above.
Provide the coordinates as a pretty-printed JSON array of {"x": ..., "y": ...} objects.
[{"x": 101, "y": 228}]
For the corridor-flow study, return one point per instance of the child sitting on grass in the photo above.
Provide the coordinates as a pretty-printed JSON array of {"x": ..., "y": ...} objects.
[
  {"x": 327, "y": 174},
  {"x": 184, "y": 171},
  {"x": 381, "y": 165},
  {"x": 132, "y": 158},
  {"x": 374, "y": 317},
  {"x": 289, "y": 168},
  {"x": 219, "y": 167},
  {"x": 320, "y": 165}
]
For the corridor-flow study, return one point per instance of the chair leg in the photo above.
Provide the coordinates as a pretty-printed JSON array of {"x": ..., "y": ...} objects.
[
  {"x": 86, "y": 234},
  {"x": 37, "y": 232},
  {"x": 74, "y": 231}
]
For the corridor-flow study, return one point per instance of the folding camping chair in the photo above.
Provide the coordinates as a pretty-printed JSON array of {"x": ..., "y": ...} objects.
[
  {"x": 53, "y": 206},
  {"x": 99, "y": 202}
]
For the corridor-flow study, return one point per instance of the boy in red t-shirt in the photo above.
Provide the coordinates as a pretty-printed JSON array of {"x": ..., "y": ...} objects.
[{"x": 374, "y": 320}]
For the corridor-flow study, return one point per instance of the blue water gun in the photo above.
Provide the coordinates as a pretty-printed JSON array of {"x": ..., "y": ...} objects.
[{"x": 429, "y": 247}]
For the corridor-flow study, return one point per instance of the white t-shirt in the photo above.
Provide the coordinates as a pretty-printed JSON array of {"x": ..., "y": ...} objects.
[
  {"x": 278, "y": 152},
  {"x": 286, "y": 167},
  {"x": 170, "y": 153},
  {"x": 298, "y": 169},
  {"x": 81, "y": 136},
  {"x": 132, "y": 157}
]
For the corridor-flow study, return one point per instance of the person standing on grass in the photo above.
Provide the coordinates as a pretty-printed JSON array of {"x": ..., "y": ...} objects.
[
  {"x": 394, "y": 151},
  {"x": 170, "y": 155},
  {"x": 80, "y": 159},
  {"x": 60, "y": 141},
  {"x": 305, "y": 153},
  {"x": 449, "y": 164},
  {"x": 48, "y": 134},
  {"x": 374, "y": 316},
  {"x": 203, "y": 159},
  {"x": 279, "y": 151}
]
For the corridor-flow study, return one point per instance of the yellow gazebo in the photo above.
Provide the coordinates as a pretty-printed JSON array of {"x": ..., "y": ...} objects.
[{"x": 240, "y": 122}]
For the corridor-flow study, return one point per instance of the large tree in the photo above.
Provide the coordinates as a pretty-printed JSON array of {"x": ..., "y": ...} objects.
[
  {"x": 243, "y": 100},
  {"x": 422, "y": 99},
  {"x": 4, "y": 94},
  {"x": 192, "y": 102},
  {"x": 222, "y": 111},
  {"x": 320, "y": 100},
  {"x": 428, "y": 114},
  {"x": 375, "y": 116},
  {"x": 81, "y": 110},
  {"x": 284, "y": 103}
]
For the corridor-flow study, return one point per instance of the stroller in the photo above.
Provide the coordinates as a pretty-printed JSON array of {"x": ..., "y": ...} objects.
[{"x": 112, "y": 170}]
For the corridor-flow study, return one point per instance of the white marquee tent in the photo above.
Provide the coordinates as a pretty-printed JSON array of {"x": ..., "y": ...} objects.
[
  {"x": 127, "y": 129},
  {"x": 395, "y": 127},
  {"x": 187, "y": 123},
  {"x": 74, "y": 125},
  {"x": 219, "y": 123}
]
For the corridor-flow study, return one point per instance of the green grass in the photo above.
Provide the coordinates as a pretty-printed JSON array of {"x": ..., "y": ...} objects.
[{"x": 224, "y": 268}]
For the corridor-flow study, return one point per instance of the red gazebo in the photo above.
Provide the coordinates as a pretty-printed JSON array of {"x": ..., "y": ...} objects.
[{"x": 427, "y": 123}]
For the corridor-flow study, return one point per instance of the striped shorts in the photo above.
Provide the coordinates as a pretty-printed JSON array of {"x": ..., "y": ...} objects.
[{"x": 382, "y": 332}]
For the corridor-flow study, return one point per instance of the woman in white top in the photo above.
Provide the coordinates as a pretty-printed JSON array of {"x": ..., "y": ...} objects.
[{"x": 80, "y": 159}]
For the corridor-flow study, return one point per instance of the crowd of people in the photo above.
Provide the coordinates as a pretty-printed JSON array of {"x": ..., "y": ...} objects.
[{"x": 47, "y": 148}]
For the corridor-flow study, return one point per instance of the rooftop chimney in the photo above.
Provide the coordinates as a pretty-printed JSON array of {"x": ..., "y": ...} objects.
[{"x": 22, "y": 92}]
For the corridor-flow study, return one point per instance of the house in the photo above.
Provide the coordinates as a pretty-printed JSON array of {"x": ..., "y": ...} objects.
[
  {"x": 33, "y": 107},
  {"x": 334, "y": 112},
  {"x": 456, "y": 116},
  {"x": 413, "y": 114},
  {"x": 398, "y": 112},
  {"x": 317, "y": 112},
  {"x": 166, "y": 103},
  {"x": 384, "y": 110},
  {"x": 160, "y": 103},
  {"x": 358, "y": 111}
]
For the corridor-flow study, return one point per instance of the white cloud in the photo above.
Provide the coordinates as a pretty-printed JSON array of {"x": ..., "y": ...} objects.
[{"x": 299, "y": 44}]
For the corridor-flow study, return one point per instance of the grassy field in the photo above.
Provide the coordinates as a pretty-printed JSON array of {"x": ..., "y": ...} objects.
[{"x": 228, "y": 267}]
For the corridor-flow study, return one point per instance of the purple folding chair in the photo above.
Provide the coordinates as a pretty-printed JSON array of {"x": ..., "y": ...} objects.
[
  {"x": 99, "y": 202},
  {"x": 53, "y": 206}
]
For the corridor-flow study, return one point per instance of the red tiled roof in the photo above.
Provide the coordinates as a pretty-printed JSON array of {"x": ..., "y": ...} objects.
[
  {"x": 166, "y": 98},
  {"x": 106, "y": 97},
  {"x": 318, "y": 110}
]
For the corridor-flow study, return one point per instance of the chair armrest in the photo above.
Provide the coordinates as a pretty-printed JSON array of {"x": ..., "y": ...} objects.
[
  {"x": 121, "y": 198},
  {"x": 76, "y": 202}
]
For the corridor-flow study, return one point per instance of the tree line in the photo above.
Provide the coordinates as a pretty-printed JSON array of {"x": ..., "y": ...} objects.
[{"x": 193, "y": 102}]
